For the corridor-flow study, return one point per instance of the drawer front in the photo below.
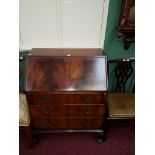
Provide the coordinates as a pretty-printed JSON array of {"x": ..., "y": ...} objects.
[
  {"x": 47, "y": 123},
  {"x": 47, "y": 98},
  {"x": 67, "y": 110}
]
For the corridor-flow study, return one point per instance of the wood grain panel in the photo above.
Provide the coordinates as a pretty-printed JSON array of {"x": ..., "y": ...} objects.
[
  {"x": 67, "y": 110},
  {"x": 58, "y": 98},
  {"x": 70, "y": 73},
  {"x": 67, "y": 123}
]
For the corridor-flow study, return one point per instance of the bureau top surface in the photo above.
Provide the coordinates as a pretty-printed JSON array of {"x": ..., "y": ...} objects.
[
  {"x": 66, "y": 52},
  {"x": 66, "y": 71}
]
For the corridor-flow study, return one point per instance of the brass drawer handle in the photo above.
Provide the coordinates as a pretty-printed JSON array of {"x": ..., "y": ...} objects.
[
  {"x": 44, "y": 98},
  {"x": 46, "y": 111},
  {"x": 87, "y": 98}
]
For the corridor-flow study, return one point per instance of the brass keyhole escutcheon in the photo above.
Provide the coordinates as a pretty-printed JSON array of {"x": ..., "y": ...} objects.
[
  {"x": 44, "y": 98},
  {"x": 87, "y": 110}
]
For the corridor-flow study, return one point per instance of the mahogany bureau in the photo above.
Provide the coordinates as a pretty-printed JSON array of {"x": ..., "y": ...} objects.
[{"x": 67, "y": 90}]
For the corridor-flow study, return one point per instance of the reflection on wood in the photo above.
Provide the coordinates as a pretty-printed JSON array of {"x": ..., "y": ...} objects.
[{"x": 66, "y": 73}]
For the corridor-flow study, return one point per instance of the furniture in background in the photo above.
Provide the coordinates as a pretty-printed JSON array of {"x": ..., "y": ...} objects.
[
  {"x": 121, "y": 104},
  {"x": 24, "y": 117},
  {"x": 67, "y": 90},
  {"x": 126, "y": 26}
]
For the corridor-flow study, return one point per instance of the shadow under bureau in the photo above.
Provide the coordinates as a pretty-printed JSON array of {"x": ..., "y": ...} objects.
[{"x": 67, "y": 90}]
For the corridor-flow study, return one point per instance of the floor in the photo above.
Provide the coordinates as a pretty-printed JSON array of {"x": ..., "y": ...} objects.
[{"x": 120, "y": 141}]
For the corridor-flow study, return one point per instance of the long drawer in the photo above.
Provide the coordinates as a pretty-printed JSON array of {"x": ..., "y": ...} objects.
[
  {"x": 48, "y": 123},
  {"x": 95, "y": 110},
  {"x": 69, "y": 98}
]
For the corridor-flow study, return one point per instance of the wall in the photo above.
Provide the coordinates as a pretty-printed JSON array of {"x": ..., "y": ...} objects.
[
  {"x": 112, "y": 46},
  {"x": 22, "y": 68}
]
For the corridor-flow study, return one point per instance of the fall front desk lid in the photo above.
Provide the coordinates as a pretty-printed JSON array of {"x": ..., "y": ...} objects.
[{"x": 66, "y": 73}]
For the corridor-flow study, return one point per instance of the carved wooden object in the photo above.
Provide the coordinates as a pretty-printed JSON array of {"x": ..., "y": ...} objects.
[{"x": 126, "y": 26}]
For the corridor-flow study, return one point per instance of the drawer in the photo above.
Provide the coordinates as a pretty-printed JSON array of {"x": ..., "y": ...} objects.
[
  {"x": 58, "y": 98},
  {"x": 48, "y": 123},
  {"x": 95, "y": 110}
]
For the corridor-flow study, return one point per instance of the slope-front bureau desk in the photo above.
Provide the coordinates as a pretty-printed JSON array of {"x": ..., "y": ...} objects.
[{"x": 67, "y": 90}]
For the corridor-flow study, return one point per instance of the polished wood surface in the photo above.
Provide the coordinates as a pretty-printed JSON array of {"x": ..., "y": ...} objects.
[
  {"x": 67, "y": 110},
  {"x": 66, "y": 98},
  {"x": 66, "y": 73},
  {"x": 48, "y": 123},
  {"x": 67, "y": 89},
  {"x": 66, "y": 52}
]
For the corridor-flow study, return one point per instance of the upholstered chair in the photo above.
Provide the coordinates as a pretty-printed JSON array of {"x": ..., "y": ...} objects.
[
  {"x": 121, "y": 102},
  {"x": 24, "y": 117}
]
